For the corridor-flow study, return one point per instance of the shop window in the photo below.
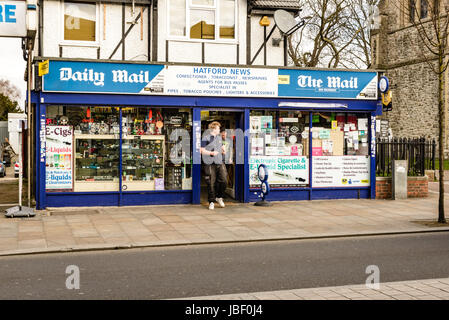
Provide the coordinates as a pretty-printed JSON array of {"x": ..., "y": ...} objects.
[
  {"x": 80, "y": 21},
  {"x": 340, "y": 150},
  {"x": 156, "y": 151},
  {"x": 279, "y": 139},
  {"x": 203, "y": 18},
  {"x": 83, "y": 149}
]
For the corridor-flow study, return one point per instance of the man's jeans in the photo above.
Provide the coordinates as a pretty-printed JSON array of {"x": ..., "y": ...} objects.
[{"x": 216, "y": 180}]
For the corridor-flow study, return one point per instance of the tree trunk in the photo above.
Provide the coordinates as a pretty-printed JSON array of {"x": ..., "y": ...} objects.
[{"x": 442, "y": 117}]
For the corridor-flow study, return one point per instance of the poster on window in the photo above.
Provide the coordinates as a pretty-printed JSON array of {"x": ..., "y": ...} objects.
[
  {"x": 58, "y": 166},
  {"x": 283, "y": 171},
  {"x": 341, "y": 171}
]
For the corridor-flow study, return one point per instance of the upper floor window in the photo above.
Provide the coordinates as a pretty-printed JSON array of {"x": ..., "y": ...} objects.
[
  {"x": 80, "y": 21},
  {"x": 202, "y": 19}
]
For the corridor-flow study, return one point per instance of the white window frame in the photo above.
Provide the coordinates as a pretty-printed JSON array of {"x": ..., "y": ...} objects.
[
  {"x": 79, "y": 43},
  {"x": 216, "y": 9}
]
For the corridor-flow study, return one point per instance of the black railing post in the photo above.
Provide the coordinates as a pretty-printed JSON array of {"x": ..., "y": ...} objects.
[{"x": 434, "y": 146}]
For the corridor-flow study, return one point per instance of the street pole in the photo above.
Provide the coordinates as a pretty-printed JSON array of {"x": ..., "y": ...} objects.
[{"x": 30, "y": 53}]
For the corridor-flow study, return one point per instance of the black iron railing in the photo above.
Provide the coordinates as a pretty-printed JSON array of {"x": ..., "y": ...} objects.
[{"x": 419, "y": 152}]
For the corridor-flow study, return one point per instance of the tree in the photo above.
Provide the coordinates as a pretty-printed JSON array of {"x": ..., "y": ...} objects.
[
  {"x": 9, "y": 96},
  {"x": 336, "y": 34},
  {"x": 9, "y": 90},
  {"x": 431, "y": 22},
  {"x": 7, "y": 106}
]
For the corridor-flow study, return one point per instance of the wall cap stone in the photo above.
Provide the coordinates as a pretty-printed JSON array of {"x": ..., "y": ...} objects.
[{"x": 409, "y": 178}]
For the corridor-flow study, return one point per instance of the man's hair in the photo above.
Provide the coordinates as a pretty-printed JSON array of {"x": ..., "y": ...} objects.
[{"x": 214, "y": 125}]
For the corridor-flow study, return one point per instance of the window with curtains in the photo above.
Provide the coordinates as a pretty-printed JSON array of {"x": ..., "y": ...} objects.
[{"x": 202, "y": 19}]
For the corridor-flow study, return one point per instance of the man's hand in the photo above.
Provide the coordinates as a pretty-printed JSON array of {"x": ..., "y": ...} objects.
[
  {"x": 223, "y": 149},
  {"x": 213, "y": 153}
]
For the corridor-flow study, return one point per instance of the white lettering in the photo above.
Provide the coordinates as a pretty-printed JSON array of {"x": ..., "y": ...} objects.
[
  {"x": 123, "y": 76},
  {"x": 309, "y": 82},
  {"x": 332, "y": 82},
  {"x": 97, "y": 78}
]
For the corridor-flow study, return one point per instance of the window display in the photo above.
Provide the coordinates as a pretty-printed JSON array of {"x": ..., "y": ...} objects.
[
  {"x": 279, "y": 140},
  {"x": 340, "y": 150},
  {"x": 178, "y": 168},
  {"x": 338, "y": 134},
  {"x": 153, "y": 157},
  {"x": 143, "y": 163},
  {"x": 96, "y": 165}
]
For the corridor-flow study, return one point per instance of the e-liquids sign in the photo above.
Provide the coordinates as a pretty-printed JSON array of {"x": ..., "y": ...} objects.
[
  {"x": 59, "y": 158},
  {"x": 13, "y": 19}
]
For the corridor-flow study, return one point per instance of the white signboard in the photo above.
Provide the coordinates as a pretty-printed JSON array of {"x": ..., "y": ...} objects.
[
  {"x": 341, "y": 171},
  {"x": 220, "y": 81},
  {"x": 58, "y": 166},
  {"x": 283, "y": 171},
  {"x": 13, "y": 19}
]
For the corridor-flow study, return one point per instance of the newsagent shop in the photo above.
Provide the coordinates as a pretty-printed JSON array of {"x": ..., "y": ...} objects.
[{"x": 107, "y": 134}]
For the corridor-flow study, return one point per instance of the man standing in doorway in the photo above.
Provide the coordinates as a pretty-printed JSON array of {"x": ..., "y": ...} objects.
[{"x": 213, "y": 155}]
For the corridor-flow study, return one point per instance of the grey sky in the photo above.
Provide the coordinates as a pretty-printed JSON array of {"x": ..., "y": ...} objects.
[{"x": 12, "y": 65}]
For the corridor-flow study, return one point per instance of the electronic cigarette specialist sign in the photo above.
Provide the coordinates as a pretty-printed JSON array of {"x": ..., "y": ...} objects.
[
  {"x": 285, "y": 171},
  {"x": 59, "y": 145},
  {"x": 122, "y": 78}
]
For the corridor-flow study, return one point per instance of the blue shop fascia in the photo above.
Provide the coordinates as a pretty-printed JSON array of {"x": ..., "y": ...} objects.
[{"x": 107, "y": 133}]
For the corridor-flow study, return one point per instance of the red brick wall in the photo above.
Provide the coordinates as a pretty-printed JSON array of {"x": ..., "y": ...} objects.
[
  {"x": 383, "y": 188},
  {"x": 417, "y": 187}
]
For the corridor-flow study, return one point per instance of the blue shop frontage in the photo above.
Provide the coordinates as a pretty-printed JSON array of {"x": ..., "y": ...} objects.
[{"x": 123, "y": 134}]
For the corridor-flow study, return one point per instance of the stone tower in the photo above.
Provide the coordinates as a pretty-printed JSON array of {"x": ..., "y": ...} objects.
[{"x": 398, "y": 49}]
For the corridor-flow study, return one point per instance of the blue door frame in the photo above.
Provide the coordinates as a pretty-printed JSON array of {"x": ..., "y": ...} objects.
[
  {"x": 44, "y": 199},
  {"x": 240, "y": 183}
]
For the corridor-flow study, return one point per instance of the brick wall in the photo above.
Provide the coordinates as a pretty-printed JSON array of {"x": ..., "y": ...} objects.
[
  {"x": 417, "y": 187},
  {"x": 383, "y": 188}
]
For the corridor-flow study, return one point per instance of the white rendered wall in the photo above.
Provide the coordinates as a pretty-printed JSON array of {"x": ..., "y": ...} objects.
[{"x": 275, "y": 55}]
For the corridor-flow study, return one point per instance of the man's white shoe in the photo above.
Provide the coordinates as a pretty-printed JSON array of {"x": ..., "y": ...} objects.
[
  {"x": 211, "y": 206},
  {"x": 220, "y": 202}
]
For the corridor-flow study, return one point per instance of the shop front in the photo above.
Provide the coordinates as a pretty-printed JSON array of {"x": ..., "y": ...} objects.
[{"x": 118, "y": 134}]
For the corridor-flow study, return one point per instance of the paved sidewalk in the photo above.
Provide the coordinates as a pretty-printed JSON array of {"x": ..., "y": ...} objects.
[
  {"x": 432, "y": 289},
  {"x": 125, "y": 227}
]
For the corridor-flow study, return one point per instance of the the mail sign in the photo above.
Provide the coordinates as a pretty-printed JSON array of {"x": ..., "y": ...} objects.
[
  {"x": 328, "y": 84},
  {"x": 13, "y": 19}
]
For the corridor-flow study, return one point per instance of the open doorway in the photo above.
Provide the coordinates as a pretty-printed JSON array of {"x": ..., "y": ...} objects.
[{"x": 229, "y": 120}]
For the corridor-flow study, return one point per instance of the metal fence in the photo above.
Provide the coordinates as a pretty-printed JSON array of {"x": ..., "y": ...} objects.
[{"x": 419, "y": 152}]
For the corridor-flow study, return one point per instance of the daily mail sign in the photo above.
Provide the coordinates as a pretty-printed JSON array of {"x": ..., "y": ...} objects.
[{"x": 13, "y": 19}]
